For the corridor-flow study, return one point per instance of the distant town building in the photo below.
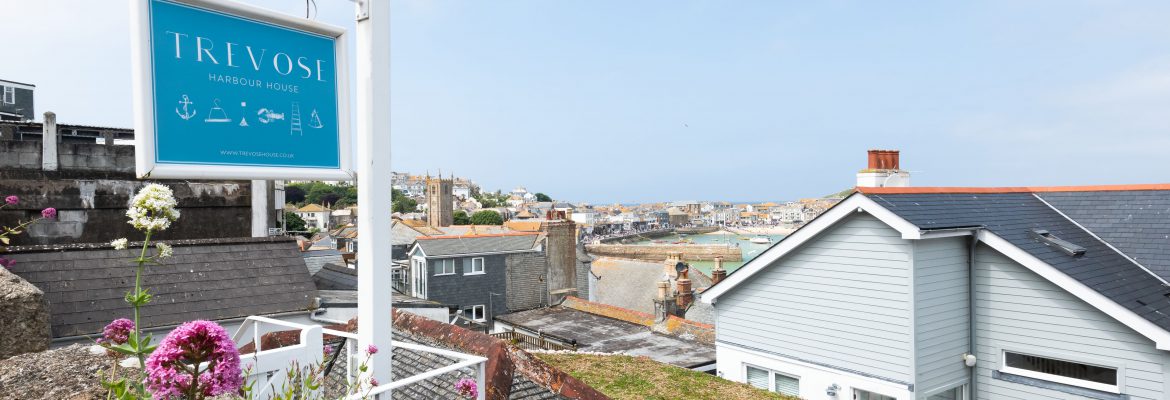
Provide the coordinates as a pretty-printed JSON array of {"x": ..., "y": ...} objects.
[
  {"x": 883, "y": 171},
  {"x": 16, "y": 101},
  {"x": 315, "y": 216},
  {"x": 440, "y": 201}
]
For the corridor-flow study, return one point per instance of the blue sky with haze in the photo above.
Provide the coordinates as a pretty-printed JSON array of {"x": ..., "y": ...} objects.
[{"x": 605, "y": 101}]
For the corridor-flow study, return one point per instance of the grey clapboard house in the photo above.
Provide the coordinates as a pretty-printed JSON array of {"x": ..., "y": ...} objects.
[
  {"x": 484, "y": 275},
  {"x": 873, "y": 299}
]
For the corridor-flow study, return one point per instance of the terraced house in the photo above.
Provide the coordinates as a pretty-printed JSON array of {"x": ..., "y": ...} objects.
[{"x": 958, "y": 293}]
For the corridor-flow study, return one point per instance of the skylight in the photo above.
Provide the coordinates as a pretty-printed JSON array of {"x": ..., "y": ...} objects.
[{"x": 1063, "y": 245}]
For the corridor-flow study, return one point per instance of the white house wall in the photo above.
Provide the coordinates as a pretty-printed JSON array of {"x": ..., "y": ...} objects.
[
  {"x": 941, "y": 320},
  {"x": 1021, "y": 311},
  {"x": 841, "y": 300},
  {"x": 814, "y": 380}
]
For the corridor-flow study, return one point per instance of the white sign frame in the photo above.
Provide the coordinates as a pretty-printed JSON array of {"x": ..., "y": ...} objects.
[{"x": 144, "y": 108}]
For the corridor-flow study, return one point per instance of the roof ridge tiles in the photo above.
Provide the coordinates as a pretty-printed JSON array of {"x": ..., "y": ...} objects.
[{"x": 1017, "y": 189}]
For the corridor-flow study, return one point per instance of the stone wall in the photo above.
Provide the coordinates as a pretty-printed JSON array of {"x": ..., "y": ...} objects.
[
  {"x": 657, "y": 253},
  {"x": 561, "y": 250},
  {"x": 92, "y": 205},
  {"x": 25, "y": 316},
  {"x": 91, "y": 188}
]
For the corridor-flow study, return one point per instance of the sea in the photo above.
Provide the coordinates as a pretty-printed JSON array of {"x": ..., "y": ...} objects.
[{"x": 750, "y": 250}]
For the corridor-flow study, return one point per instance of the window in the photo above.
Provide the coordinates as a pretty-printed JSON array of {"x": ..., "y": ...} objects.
[
  {"x": 477, "y": 265},
  {"x": 477, "y": 313},
  {"x": 772, "y": 381},
  {"x": 1061, "y": 371},
  {"x": 859, "y": 394},
  {"x": 445, "y": 267},
  {"x": 958, "y": 393},
  {"x": 9, "y": 94}
]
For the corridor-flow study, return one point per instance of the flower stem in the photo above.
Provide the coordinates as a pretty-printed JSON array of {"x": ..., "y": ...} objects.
[{"x": 139, "y": 351}]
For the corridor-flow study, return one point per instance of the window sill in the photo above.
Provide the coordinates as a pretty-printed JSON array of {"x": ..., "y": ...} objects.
[
  {"x": 474, "y": 273},
  {"x": 445, "y": 274},
  {"x": 1060, "y": 387}
]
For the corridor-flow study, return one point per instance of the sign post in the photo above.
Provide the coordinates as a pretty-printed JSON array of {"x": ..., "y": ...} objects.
[
  {"x": 373, "y": 156},
  {"x": 226, "y": 90}
]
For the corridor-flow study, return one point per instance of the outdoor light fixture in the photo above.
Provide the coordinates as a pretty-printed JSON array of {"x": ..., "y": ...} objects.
[
  {"x": 832, "y": 390},
  {"x": 969, "y": 360}
]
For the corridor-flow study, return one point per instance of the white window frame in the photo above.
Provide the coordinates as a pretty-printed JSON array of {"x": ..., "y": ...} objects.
[
  {"x": 856, "y": 389},
  {"x": 771, "y": 377},
  {"x": 1003, "y": 367},
  {"x": 482, "y": 315},
  {"x": 481, "y": 266},
  {"x": 444, "y": 264},
  {"x": 9, "y": 94}
]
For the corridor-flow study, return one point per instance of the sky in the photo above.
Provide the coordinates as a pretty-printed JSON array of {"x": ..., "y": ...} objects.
[{"x": 619, "y": 101}]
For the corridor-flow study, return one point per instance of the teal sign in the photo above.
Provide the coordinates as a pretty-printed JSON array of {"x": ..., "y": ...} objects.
[{"x": 234, "y": 91}]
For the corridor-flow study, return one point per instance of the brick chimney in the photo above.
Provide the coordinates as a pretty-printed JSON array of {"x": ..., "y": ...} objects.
[
  {"x": 684, "y": 294},
  {"x": 718, "y": 273},
  {"x": 883, "y": 159},
  {"x": 883, "y": 170}
]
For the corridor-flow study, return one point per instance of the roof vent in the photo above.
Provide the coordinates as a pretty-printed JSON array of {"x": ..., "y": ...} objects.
[{"x": 1064, "y": 245}]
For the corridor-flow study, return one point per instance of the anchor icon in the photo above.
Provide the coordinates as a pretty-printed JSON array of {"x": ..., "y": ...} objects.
[{"x": 186, "y": 113}]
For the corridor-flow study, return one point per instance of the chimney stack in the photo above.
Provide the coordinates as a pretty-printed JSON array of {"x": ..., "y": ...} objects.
[
  {"x": 663, "y": 286},
  {"x": 718, "y": 273},
  {"x": 684, "y": 294},
  {"x": 884, "y": 169}
]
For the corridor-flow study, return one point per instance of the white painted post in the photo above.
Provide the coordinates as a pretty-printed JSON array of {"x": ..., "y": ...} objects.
[
  {"x": 373, "y": 173},
  {"x": 259, "y": 208},
  {"x": 49, "y": 142}
]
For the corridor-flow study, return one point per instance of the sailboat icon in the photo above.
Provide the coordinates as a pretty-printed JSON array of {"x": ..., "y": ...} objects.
[
  {"x": 315, "y": 120},
  {"x": 216, "y": 114}
]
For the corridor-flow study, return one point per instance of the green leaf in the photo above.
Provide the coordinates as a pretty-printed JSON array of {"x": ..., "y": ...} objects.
[
  {"x": 4, "y": 239},
  {"x": 124, "y": 348}
]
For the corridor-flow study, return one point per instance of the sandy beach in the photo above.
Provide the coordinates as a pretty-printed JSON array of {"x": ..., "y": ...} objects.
[{"x": 757, "y": 230}]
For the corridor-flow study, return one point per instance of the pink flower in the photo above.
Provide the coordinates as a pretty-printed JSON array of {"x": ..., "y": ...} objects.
[
  {"x": 328, "y": 349},
  {"x": 7, "y": 263},
  {"x": 374, "y": 382},
  {"x": 193, "y": 343},
  {"x": 467, "y": 388},
  {"x": 11, "y": 200},
  {"x": 118, "y": 332},
  {"x": 372, "y": 349},
  {"x": 49, "y": 213}
]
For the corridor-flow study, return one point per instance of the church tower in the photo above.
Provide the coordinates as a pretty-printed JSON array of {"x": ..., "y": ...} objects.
[{"x": 439, "y": 201}]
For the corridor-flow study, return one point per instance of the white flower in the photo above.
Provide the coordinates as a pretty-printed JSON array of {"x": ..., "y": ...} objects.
[
  {"x": 153, "y": 208},
  {"x": 164, "y": 250},
  {"x": 119, "y": 244}
]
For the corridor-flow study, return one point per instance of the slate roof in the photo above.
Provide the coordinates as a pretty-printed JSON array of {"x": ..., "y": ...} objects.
[
  {"x": 1013, "y": 215},
  {"x": 443, "y": 246},
  {"x": 211, "y": 279},
  {"x": 1136, "y": 222},
  {"x": 315, "y": 260},
  {"x": 335, "y": 277},
  {"x": 602, "y": 334}
]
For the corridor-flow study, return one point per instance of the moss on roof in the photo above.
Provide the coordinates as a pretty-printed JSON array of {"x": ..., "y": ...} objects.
[{"x": 625, "y": 377}]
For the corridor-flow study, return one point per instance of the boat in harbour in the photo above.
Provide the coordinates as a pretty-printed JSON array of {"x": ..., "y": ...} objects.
[{"x": 761, "y": 240}]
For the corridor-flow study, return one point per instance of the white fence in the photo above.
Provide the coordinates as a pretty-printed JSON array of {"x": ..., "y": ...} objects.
[{"x": 270, "y": 368}]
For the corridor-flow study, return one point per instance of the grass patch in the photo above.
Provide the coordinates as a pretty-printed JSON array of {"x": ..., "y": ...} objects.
[{"x": 625, "y": 377}]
